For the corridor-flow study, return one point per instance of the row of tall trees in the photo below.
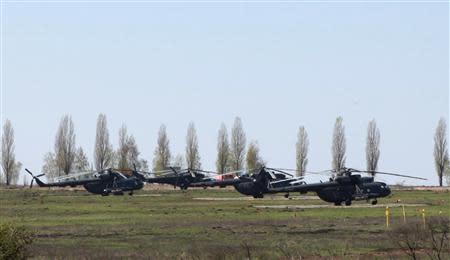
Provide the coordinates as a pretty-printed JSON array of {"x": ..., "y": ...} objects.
[
  {"x": 163, "y": 157},
  {"x": 232, "y": 156},
  {"x": 232, "y": 153},
  {"x": 339, "y": 146},
  {"x": 66, "y": 157}
]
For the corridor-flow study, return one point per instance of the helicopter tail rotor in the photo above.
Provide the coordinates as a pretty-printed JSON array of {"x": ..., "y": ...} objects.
[{"x": 34, "y": 178}]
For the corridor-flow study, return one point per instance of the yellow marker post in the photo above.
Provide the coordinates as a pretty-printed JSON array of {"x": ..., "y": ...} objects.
[
  {"x": 388, "y": 211},
  {"x": 423, "y": 217},
  {"x": 404, "y": 214}
]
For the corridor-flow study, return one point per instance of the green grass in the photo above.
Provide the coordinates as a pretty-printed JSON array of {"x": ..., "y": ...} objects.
[{"x": 78, "y": 225}]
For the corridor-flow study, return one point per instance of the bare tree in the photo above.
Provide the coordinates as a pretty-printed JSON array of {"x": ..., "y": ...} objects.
[
  {"x": 238, "y": 143},
  {"x": 223, "y": 150},
  {"x": 440, "y": 149},
  {"x": 103, "y": 151},
  {"x": 25, "y": 181},
  {"x": 143, "y": 165},
  {"x": 65, "y": 148},
  {"x": 133, "y": 150},
  {"x": 447, "y": 174},
  {"x": 127, "y": 154},
  {"x": 50, "y": 169},
  {"x": 339, "y": 145},
  {"x": 133, "y": 156},
  {"x": 178, "y": 161},
  {"x": 122, "y": 150},
  {"x": 254, "y": 160},
  {"x": 302, "y": 151},
  {"x": 10, "y": 167},
  {"x": 192, "y": 153},
  {"x": 372, "y": 146},
  {"x": 81, "y": 162},
  {"x": 162, "y": 152}
]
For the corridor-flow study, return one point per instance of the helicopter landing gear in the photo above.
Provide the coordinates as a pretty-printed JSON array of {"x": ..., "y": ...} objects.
[
  {"x": 374, "y": 202},
  {"x": 105, "y": 192},
  {"x": 118, "y": 193}
]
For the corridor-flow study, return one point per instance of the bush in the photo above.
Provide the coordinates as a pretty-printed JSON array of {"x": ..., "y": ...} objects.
[
  {"x": 413, "y": 237},
  {"x": 14, "y": 241},
  {"x": 438, "y": 231}
]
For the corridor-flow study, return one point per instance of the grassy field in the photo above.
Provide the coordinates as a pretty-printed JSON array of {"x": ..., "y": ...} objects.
[{"x": 174, "y": 224}]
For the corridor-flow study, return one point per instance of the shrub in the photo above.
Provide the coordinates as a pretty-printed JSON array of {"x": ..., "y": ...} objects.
[
  {"x": 14, "y": 241},
  {"x": 438, "y": 230},
  {"x": 433, "y": 238}
]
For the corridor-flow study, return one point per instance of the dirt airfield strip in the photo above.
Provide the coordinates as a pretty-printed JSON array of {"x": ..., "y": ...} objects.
[
  {"x": 162, "y": 223},
  {"x": 249, "y": 198},
  {"x": 357, "y": 206}
]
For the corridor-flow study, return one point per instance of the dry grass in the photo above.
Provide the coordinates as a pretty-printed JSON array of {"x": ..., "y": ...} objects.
[{"x": 168, "y": 224}]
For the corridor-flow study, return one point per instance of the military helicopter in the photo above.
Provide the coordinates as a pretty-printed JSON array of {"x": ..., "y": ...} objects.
[
  {"x": 104, "y": 182},
  {"x": 264, "y": 180},
  {"x": 185, "y": 178},
  {"x": 343, "y": 187}
]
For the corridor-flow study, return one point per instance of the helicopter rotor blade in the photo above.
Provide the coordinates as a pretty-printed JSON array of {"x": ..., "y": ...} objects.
[
  {"x": 395, "y": 174},
  {"x": 351, "y": 170},
  {"x": 325, "y": 172},
  {"x": 203, "y": 171},
  {"x": 281, "y": 171},
  {"x": 284, "y": 169},
  {"x": 158, "y": 172},
  {"x": 234, "y": 172},
  {"x": 192, "y": 172},
  {"x": 174, "y": 171}
]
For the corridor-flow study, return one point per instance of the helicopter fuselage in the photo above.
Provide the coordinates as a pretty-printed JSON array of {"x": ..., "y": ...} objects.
[
  {"x": 347, "y": 193},
  {"x": 177, "y": 181},
  {"x": 114, "y": 186},
  {"x": 343, "y": 189}
]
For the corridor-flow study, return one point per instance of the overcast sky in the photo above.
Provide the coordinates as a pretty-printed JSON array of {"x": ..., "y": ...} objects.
[{"x": 276, "y": 65}]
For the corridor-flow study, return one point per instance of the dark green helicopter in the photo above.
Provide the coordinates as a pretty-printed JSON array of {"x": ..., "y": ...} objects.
[
  {"x": 262, "y": 181},
  {"x": 194, "y": 178},
  {"x": 105, "y": 182},
  {"x": 343, "y": 187}
]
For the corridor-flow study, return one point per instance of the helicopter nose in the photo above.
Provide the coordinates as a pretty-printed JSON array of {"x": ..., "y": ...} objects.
[{"x": 387, "y": 191}]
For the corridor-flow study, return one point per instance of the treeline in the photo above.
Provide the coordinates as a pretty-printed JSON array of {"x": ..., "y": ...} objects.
[{"x": 233, "y": 153}]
